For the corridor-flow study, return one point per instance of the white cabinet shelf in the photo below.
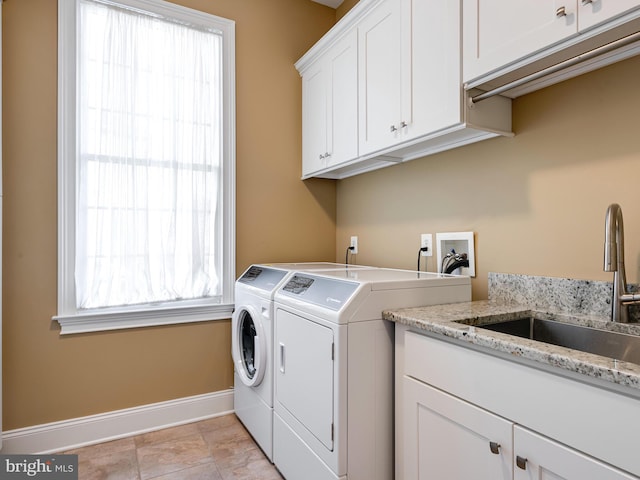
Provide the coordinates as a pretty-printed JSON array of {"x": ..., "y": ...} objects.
[{"x": 409, "y": 99}]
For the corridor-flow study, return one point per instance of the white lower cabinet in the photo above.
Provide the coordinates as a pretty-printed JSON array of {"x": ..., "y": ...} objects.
[
  {"x": 462, "y": 415},
  {"x": 449, "y": 439},
  {"x": 538, "y": 457}
]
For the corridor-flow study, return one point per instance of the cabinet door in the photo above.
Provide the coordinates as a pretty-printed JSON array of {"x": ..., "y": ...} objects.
[
  {"x": 447, "y": 438},
  {"x": 432, "y": 88},
  {"x": 342, "y": 66},
  {"x": 593, "y": 12},
  {"x": 539, "y": 458},
  {"x": 314, "y": 119},
  {"x": 497, "y": 33},
  {"x": 379, "y": 63}
]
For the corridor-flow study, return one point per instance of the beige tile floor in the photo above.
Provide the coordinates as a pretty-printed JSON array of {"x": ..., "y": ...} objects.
[{"x": 215, "y": 449}]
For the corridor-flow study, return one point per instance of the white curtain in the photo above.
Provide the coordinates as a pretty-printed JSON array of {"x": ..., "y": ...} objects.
[{"x": 148, "y": 171}]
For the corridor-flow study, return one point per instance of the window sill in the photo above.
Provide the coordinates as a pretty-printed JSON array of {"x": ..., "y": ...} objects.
[{"x": 98, "y": 321}]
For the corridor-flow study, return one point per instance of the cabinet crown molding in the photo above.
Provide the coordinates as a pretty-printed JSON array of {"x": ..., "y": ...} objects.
[{"x": 339, "y": 30}]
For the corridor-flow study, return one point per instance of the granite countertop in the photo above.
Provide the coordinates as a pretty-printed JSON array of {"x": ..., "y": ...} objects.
[{"x": 441, "y": 320}]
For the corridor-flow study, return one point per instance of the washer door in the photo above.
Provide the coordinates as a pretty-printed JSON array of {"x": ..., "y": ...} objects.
[{"x": 248, "y": 346}]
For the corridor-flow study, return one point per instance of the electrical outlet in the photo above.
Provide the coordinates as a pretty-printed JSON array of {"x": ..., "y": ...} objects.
[
  {"x": 426, "y": 240},
  {"x": 354, "y": 245}
]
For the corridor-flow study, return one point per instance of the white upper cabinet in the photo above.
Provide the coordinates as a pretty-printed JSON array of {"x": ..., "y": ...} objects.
[
  {"x": 343, "y": 100},
  {"x": 409, "y": 71},
  {"x": 408, "y": 97},
  {"x": 380, "y": 66},
  {"x": 330, "y": 108},
  {"x": 432, "y": 96},
  {"x": 593, "y": 12},
  {"x": 315, "y": 145},
  {"x": 501, "y": 38},
  {"x": 498, "y": 32},
  {"x": 397, "y": 80}
]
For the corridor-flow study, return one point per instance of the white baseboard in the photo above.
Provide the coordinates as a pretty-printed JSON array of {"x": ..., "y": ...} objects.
[{"x": 78, "y": 432}]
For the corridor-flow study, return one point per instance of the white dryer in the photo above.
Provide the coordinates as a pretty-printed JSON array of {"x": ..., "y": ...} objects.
[
  {"x": 252, "y": 344},
  {"x": 333, "y": 396}
]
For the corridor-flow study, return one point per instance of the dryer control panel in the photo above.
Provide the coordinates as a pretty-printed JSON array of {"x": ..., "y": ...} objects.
[{"x": 324, "y": 292}]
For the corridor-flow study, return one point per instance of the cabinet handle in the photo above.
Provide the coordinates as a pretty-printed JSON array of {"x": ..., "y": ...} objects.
[
  {"x": 561, "y": 12},
  {"x": 494, "y": 447},
  {"x": 521, "y": 462},
  {"x": 321, "y": 157},
  {"x": 327, "y": 155},
  {"x": 403, "y": 124},
  {"x": 586, "y": 2},
  {"x": 393, "y": 128}
]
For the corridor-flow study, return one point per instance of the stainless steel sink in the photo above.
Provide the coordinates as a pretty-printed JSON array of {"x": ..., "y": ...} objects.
[{"x": 620, "y": 346}]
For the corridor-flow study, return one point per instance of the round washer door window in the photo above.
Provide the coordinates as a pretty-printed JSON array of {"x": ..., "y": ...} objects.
[{"x": 249, "y": 346}]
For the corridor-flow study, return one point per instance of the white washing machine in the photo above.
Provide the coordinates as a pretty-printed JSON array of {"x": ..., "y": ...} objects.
[
  {"x": 251, "y": 348},
  {"x": 333, "y": 396},
  {"x": 252, "y": 344}
]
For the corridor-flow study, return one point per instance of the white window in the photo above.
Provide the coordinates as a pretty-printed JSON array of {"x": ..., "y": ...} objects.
[{"x": 146, "y": 151}]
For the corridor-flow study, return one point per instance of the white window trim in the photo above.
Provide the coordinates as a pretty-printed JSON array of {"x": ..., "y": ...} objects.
[{"x": 69, "y": 317}]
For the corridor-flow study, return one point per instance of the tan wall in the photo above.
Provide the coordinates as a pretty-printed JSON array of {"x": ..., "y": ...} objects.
[
  {"x": 279, "y": 218},
  {"x": 344, "y": 7},
  {"x": 536, "y": 201}
]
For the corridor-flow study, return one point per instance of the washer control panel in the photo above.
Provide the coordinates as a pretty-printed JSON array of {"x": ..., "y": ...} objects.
[{"x": 262, "y": 277}]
